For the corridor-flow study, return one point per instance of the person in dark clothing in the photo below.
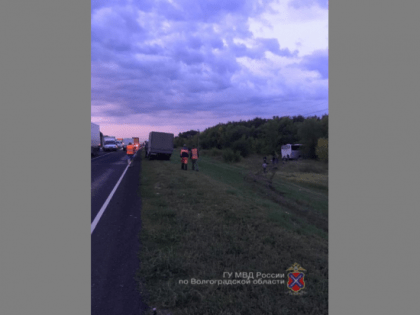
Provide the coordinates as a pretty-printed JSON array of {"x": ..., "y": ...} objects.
[{"x": 184, "y": 157}]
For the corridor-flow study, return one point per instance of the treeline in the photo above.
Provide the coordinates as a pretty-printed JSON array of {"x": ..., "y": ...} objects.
[{"x": 264, "y": 136}]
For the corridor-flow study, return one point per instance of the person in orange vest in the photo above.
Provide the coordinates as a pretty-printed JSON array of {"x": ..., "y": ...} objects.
[
  {"x": 194, "y": 157},
  {"x": 130, "y": 153},
  {"x": 184, "y": 157}
]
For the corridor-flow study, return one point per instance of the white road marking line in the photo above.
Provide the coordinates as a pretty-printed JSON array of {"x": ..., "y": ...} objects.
[{"x": 101, "y": 212}]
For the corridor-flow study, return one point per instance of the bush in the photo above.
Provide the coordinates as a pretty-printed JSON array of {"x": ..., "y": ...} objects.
[
  {"x": 258, "y": 146},
  {"x": 242, "y": 146},
  {"x": 215, "y": 152},
  {"x": 231, "y": 156},
  {"x": 322, "y": 149}
]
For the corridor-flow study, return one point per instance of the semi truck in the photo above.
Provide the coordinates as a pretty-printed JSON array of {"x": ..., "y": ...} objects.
[
  {"x": 160, "y": 144},
  {"x": 95, "y": 139}
]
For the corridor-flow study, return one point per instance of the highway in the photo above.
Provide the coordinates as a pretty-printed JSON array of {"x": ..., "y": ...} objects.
[
  {"x": 114, "y": 238},
  {"x": 106, "y": 169}
]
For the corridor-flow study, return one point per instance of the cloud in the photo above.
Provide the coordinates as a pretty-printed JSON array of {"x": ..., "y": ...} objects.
[
  {"x": 318, "y": 61},
  {"x": 182, "y": 57},
  {"x": 297, "y": 4}
]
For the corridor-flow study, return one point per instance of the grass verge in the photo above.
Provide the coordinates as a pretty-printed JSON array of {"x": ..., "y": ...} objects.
[{"x": 232, "y": 218}]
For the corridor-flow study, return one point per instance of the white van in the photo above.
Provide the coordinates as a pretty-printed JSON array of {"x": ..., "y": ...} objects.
[{"x": 110, "y": 144}]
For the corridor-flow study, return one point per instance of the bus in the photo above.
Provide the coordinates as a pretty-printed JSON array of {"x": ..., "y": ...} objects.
[{"x": 291, "y": 151}]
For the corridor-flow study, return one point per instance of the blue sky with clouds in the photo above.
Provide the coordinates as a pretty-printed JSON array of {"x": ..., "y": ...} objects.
[{"x": 176, "y": 65}]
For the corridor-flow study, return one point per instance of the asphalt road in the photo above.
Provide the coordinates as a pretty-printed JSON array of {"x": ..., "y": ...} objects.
[
  {"x": 114, "y": 241},
  {"x": 106, "y": 169}
]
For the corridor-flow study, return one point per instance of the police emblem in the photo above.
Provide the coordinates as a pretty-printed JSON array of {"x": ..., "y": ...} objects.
[{"x": 296, "y": 281}]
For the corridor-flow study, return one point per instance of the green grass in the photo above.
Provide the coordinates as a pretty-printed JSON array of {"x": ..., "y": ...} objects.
[{"x": 226, "y": 218}]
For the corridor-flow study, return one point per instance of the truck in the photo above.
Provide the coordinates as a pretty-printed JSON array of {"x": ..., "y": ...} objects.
[
  {"x": 160, "y": 144},
  {"x": 95, "y": 139},
  {"x": 110, "y": 144},
  {"x": 136, "y": 142},
  {"x": 291, "y": 151}
]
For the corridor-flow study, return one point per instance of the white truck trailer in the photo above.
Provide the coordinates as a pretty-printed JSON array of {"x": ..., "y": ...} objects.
[
  {"x": 160, "y": 144},
  {"x": 95, "y": 139}
]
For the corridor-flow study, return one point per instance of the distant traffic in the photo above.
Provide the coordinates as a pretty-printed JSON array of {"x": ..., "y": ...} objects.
[{"x": 106, "y": 143}]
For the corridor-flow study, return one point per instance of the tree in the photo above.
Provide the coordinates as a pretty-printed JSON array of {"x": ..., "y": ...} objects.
[
  {"x": 322, "y": 149},
  {"x": 309, "y": 132},
  {"x": 324, "y": 126},
  {"x": 242, "y": 146}
]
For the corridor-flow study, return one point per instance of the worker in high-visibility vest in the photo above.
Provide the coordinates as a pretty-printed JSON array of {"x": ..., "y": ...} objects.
[
  {"x": 184, "y": 157},
  {"x": 194, "y": 156},
  {"x": 130, "y": 153}
]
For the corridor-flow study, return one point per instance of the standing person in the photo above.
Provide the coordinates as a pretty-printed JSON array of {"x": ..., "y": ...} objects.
[
  {"x": 274, "y": 159},
  {"x": 130, "y": 153},
  {"x": 184, "y": 157},
  {"x": 194, "y": 157}
]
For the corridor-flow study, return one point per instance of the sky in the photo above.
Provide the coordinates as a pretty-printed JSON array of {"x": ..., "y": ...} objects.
[{"x": 180, "y": 65}]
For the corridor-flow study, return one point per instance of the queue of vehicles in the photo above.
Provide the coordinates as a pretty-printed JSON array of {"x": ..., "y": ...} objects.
[
  {"x": 106, "y": 143},
  {"x": 160, "y": 144}
]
